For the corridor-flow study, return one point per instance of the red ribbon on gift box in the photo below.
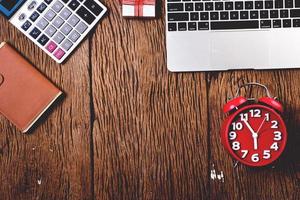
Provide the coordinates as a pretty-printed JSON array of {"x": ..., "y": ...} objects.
[{"x": 138, "y": 5}]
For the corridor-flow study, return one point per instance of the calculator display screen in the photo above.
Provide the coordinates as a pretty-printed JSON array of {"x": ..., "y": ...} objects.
[{"x": 8, "y": 7}]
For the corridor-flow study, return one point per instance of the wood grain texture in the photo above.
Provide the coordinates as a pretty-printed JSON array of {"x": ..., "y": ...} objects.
[
  {"x": 150, "y": 137},
  {"x": 129, "y": 129},
  {"x": 54, "y": 161},
  {"x": 274, "y": 182}
]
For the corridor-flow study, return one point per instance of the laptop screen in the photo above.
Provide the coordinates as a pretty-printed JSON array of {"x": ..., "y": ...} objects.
[{"x": 9, "y": 7}]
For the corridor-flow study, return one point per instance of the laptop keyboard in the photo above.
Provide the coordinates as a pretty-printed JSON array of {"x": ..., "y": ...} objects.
[
  {"x": 59, "y": 25},
  {"x": 203, "y": 15}
]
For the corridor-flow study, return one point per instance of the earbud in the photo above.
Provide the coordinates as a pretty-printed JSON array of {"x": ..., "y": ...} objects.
[
  {"x": 271, "y": 102},
  {"x": 232, "y": 104}
]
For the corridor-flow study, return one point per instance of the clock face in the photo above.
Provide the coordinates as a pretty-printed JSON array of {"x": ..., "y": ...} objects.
[{"x": 256, "y": 135}]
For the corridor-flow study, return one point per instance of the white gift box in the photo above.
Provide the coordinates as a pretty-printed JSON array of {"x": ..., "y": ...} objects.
[{"x": 138, "y": 10}]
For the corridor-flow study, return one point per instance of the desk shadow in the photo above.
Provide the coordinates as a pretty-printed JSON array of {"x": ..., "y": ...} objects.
[
  {"x": 289, "y": 161},
  {"x": 46, "y": 114},
  {"x": 291, "y": 155}
]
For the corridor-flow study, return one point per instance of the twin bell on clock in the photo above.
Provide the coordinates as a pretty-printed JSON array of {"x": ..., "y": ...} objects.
[{"x": 254, "y": 132}]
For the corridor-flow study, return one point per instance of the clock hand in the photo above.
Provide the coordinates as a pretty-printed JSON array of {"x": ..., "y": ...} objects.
[
  {"x": 261, "y": 125},
  {"x": 255, "y": 142},
  {"x": 249, "y": 127},
  {"x": 254, "y": 135}
]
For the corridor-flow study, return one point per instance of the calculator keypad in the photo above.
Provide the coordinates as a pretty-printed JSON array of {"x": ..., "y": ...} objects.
[
  {"x": 59, "y": 53},
  {"x": 93, "y": 6},
  {"x": 48, "y": 1},
  {"x": 74, "y": 36},
  {"x": 57, "y": 6},
  {"x": 65, "y": 14},
  {"x": 74, "y": 4},
  {"x": 59, "y": 37},
  {"x": 43, "y": 40},
  {"x": 50, "y": 14},
  {"x": 51, "y": 46},
  {"x": 58, "y": 21},
  {"x": 73, "y": 20},
  {"x": 67, "y": 44},
  {"x": 34, "y": 16},
  {"x": 66, "y": 29},
  {"x": 50, "y": 30},
  {"x": 81, "y": 27},
  {"x": 85, "y": 15},
  {"x": 60, "y": 24},
  {"x": 42, "y": 23},
  {"x": 26, "y": 25},
  {"x": 32, "y": 5},
  {"x": 35, "y": 33},
  {"x": 42, "y": 7}
]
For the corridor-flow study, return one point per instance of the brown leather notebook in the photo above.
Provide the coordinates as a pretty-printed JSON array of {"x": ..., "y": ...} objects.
[{"x": 25, "y": 94}]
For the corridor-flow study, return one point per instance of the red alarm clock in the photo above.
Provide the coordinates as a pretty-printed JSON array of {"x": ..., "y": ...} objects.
[{"x": 254, "y": 132}]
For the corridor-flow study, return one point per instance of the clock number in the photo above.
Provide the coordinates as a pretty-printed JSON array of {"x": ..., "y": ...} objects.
[
  {"x": 237, "y": 126},
  {"x": 232, "y": 135},
  {"x": 267, "y": 154},
  {"x": 244, "y": 116},
  {"x": 255, "y": 113},
  {"x": 255, "y": 157},
  {"x": 267, "y": 115},
  {"x": 274, "y": 124},
  {"x": 274, "y": 146},
  {"x": 277, "y": 135},
  {"x": 236, "y": 146},
  {"x": 245, "y": 152}
]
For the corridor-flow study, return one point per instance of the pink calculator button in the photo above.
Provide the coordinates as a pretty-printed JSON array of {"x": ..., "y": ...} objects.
[
  {"x": 59, "y": 53},
  {"x": 51, "y": 46}
]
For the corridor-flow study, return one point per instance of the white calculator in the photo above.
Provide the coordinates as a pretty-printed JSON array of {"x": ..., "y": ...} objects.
[{"x": 56, "y": 26}]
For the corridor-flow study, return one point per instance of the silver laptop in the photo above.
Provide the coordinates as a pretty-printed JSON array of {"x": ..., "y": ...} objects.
[{"x": 222, "y": 35}]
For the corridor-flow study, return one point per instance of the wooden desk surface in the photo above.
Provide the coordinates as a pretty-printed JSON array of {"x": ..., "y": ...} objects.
[{"x": 129, "y": 129}]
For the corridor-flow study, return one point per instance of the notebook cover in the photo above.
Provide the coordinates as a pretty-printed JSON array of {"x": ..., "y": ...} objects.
[{"x": 25, "y": 94}]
